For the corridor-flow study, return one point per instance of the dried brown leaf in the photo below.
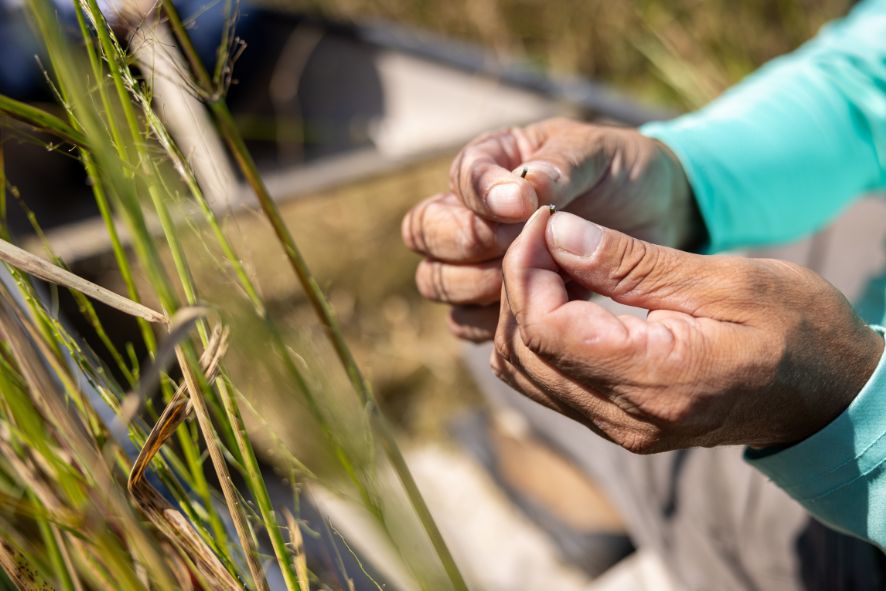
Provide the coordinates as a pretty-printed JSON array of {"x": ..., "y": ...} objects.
[{"x": 33, "y": 265}]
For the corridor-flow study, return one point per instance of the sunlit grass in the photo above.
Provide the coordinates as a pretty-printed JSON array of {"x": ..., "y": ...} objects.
[{"x": 75, "y": 509}]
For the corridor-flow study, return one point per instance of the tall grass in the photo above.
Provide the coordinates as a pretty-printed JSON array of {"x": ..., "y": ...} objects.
[{"x": 76, "y": 509}]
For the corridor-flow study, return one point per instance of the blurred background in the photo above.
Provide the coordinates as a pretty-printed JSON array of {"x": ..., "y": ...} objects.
[
  {"x": 354, "y": 110},
  {"x": 679, "y": 54}
]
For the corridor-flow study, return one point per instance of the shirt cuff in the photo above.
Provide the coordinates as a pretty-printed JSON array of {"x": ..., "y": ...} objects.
[
  {"x": 848, "y": 449},
  {"x": 680, "y": 135}
]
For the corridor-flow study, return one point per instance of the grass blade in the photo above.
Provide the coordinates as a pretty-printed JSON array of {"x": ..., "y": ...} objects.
[
  {"x": 41, "y": 120},
  {"x": 169, "y": 521},
  {"x": 38, "y": 267}
]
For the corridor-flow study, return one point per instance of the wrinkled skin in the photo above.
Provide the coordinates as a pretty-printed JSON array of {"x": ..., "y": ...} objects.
[
  {"x": 613, "y": 176},
  {"x": 733, "y": 350}
]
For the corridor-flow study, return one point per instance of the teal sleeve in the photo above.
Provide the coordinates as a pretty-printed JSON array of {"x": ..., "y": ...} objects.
[
  {"x": 783, "y": 152},
  {"x": 839, "y": 474}
]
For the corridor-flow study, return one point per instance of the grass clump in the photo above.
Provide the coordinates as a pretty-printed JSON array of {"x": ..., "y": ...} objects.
[{"x": 77, "y": 507}]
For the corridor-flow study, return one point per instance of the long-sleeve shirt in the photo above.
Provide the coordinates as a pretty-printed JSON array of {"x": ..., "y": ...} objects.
[{"x": 773, "y": 159}]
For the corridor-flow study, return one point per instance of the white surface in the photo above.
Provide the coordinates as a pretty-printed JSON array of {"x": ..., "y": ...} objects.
[
  {"x": 429, "y": 106},
  {"x": 641, "y": 571},
  {"x": 495, "y": 546}
]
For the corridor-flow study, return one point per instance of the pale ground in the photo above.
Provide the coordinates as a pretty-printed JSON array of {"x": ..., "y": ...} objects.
[{"x": 495, "y": 545}]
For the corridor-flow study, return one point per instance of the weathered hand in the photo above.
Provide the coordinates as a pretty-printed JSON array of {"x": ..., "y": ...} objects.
[
  {"x": 733, "y": 350},
  {"x": 613, "y": 176}
]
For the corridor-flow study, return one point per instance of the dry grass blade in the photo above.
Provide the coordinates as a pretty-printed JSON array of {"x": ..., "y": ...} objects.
[
  {"x": 65, "y": 556},
  {"x": 180, "y": 324},
  {"x": 179, "y": 569},
  {"x": 167, "y": 520},
  {"x": 28, "y": 473},
  {"x": 178, "y": 408},
  {"x": 48, "y": 382},
  {"x": 171, "y": 524},
  {"x": 213, "y": 446},
  {"x": 298, "y": 547},
  {"x": 18, "y": 568},
  {"x": 32, "y": 264}
]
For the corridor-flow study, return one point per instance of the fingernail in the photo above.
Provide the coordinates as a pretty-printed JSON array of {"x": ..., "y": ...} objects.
[
  {"x": 546, "y": 179},
  {"x": 507, "y": 201},
  {"x": 538, "y": 168},
  {"x": 574, "y": 234}
]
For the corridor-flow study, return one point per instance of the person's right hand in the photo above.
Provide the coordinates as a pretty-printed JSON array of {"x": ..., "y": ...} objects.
[{"x": 612, "y": 176}]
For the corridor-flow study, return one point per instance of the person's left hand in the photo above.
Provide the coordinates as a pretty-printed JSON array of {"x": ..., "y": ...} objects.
[{"x": 733, "y": 351}]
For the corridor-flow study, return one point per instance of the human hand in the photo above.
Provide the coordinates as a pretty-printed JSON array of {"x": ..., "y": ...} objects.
[
  {"x": 613, "y": 176},
  {"x": 733, "y": 351}
]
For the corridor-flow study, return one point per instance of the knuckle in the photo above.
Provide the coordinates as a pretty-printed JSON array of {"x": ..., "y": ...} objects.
[
  {"x": 455, "y": 171},
  {"x": 457, "y": 284},
  {"x": 637, "y": 261},
  {"x": 467, "y": 179},
  {"x": 641, "y": 442},
  {"x": 496, "y": 365},
  {"x": 535, "y": 337},
  {"x": 469, "y": 329},
  {"x": 674, "y": 411},
  {"x": 482, "y": 287},
  {"x": 501, "y": 346},
  {"x": 406, "y": 233},
  {"x": 474, "y": 239},
  {"x": 492, "y": 282},
  {"x": 414, "y": 228},
  {"x": 500, "y": 369},
  {"x": 430, "y": 280}
]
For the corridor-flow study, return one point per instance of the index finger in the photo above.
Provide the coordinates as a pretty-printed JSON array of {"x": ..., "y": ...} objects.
[{"x": 482, "y": 177}]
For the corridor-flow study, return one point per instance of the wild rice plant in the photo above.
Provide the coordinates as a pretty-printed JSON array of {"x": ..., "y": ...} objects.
[{"x": 79, "y": 508}]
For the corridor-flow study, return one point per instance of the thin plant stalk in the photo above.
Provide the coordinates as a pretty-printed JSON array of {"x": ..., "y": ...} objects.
[
  {"x": 140, "y": 168},
  {"x": 42, "y": 120},
  {"x": 134, "y": 216},
  {"x": 229, "y": 405},
  {"x": 98, "y": 191},
  {"x": 257, "y": 486},
  {"x": 227, "y": 128},
  {"x": 60, "y": 564},
  {"x": 187, "y": 361}
]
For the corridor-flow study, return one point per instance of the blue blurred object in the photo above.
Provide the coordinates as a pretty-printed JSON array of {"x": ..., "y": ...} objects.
[
  {"x": 21, "y": 76},
  {"x": 206, "y": 22}
]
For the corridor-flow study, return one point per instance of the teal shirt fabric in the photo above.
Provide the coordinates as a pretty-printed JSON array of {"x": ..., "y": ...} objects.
[
  {"x": 839, "y": 473},
  {"x": 776, "y": 158}
]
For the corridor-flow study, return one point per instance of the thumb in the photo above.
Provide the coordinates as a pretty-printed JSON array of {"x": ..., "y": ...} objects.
[{"x": 631, "y": 271}]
